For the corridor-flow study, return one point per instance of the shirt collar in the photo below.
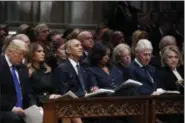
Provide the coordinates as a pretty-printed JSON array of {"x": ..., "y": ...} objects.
[
  {"x": 138, "y": 63},
  {"x": 73, "y": 62},
  {"x": 8, "y": 61}
]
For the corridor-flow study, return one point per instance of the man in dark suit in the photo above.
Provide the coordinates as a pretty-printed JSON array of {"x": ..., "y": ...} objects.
[
  {"x": 70, "y": 75},
  {"x": 86, "y": 39},
  {"x": 16, "y": 93},
  {"x": 139, "y": 69}
]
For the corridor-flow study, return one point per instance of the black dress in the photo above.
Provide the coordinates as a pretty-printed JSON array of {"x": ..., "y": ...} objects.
[{"x": 42, "y": 85}]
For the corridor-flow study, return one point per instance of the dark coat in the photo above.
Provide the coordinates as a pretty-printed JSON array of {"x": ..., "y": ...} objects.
[{"x": 8, "y": 92}]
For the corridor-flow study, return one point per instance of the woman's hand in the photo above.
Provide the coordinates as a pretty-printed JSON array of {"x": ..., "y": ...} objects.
[
  {"x": 94, "y": 89},
  {"x": 54, "y": 96}
]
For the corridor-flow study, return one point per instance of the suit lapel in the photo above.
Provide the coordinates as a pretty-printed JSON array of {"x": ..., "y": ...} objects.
[{"x": 141, "y": 72}]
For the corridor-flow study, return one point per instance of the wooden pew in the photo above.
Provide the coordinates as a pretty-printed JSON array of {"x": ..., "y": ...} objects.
[{"x": 146, "y": 107}]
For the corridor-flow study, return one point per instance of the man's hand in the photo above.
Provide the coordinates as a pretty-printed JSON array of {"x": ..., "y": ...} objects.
[
  {"x": 156, "y": 93},
  {"x": 18, "y": 111}
]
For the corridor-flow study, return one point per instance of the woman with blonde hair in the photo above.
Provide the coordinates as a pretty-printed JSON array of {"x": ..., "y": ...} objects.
[{"x": 171, "y": 75}]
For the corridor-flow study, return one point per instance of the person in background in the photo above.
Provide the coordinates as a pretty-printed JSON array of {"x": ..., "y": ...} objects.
[
  {"x": 4, "y": 31},
  {"x": 22, "y": 29},
  {"x": 16, "y": 90},
  {"x": 6, "y": 42},
  {"x": 86, "y": 39},
  {"x": 59, "y": 55},
  {"x": 40, "y": 74},
  {"x": 136, "y": 36},
  {"x": 23, "y": 37},
  {"x": 122, "y": 58},
  {"x": 73, "y": 34},
  {"x": 117, "y": 38},
  {"x": 100, "y": 29},
  {"x": 41, "y": 32}
]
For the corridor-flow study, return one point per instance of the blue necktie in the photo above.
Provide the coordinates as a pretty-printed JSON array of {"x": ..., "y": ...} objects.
[
  {"x": 17, "y": 88},
  {"x": 80, "y": 77},
  {"x": 148, "y": 74}
]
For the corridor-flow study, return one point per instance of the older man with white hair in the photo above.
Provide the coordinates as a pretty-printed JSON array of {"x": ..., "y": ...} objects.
[
  {"x": 139, "y": 69},
  {"x": 16, "y": 93}
]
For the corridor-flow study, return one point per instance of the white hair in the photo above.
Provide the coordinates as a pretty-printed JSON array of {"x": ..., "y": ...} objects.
[
  {"x": 116, "y": 53},
  {"x": 143, "y": 44},
  {"x": 16, "y": 44}
]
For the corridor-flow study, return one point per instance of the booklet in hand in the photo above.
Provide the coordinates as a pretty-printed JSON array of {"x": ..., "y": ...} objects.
[
  {"x": 33, "y": 115},
  {"x": 167, "y": 92}
]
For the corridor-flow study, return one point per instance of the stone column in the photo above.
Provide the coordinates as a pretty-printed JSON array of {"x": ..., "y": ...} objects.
[
  {"x": 81, "y": 12},
  {"x": 45, "y": 9}
]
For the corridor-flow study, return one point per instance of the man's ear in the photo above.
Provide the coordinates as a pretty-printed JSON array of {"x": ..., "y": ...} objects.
[{"x": 67, "y": 51}]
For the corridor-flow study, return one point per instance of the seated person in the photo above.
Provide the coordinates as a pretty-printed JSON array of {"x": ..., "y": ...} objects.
[
  {"x": 170, "y": 76},
  {"x": 16, "y": 91},
  {"x": 70, "y": 75},
  {"x": 102, "y": 73},
  {"x": 40, "y": 74},
  {"x": 122, "y": 58},
  {"x": 141, "y": 71}
]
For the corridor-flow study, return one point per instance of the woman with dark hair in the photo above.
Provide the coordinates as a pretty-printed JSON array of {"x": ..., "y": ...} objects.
[
  {"x": 40, "y": 74},
  {"x": 102, "y": 73}
]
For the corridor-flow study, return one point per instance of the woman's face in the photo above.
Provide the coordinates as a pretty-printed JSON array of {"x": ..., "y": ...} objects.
[
  {"x": 125, "y": 56},
  {"x": 172, "y": 59},
  {"x": 105, "y": 58},
  {"x": 61, "y": 52},
  {"x": 39, "y": 54}
]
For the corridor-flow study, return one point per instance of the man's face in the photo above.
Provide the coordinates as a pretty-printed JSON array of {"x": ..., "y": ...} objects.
[
  {"x": 43, "y": 34},
  {"x": 87, "y": 41},
  {"x": 75, "y": 49},
  {"x": 16, "y": 56},
  {"x": 144, "y": 56},
  {"x": 57, "y": 38}
]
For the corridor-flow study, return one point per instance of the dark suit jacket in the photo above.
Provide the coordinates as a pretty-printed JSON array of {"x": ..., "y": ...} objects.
[
  {"x": 101, "y": 79},
  {"x": 8, "y": 93},
  {"x": 84, "y": 61},
  {"x": 166, "y": 79},
  {"x": 135, "y": 72},
  {"x": 124, "y": 70},
  {"x": 156, "y": 61},
  {"x": 65, "y": 79}
]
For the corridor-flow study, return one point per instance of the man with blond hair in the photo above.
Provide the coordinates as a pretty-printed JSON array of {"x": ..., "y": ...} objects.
[{"x": 16, "y": 93}]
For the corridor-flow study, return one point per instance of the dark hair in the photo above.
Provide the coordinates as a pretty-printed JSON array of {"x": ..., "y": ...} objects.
[
  {"x": 51, "y": 34},
  {"x": 5, "y": 28},
  {"x": 67, "y": 32},
  {"x": 32, "y": 48},
  {"x": 97, "y": 52}
]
